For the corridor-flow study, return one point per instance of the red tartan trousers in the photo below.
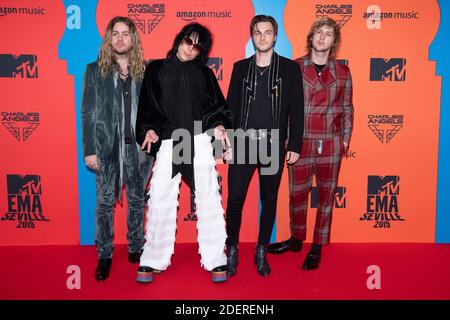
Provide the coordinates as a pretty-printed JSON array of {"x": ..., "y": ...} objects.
[{"x": 325, "y": 167}]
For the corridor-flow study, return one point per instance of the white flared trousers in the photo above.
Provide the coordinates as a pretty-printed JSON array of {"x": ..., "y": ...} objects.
[{"x": 162, "y": 214}]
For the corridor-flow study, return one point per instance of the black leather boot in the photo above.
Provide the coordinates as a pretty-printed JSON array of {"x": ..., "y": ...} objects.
[
  {"x": 134, "y": 257},
  {"x": 102, "y": 270},
  {"x": 262, "y": 265},
  {"x": 232, "y": 259}
]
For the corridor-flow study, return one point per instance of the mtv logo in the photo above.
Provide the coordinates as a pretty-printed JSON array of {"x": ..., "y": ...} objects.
[
  {"x": 23, "y": 185},
  {"x": 378, "y": 185},
  {"x": 340, "y": 199},
  {"x": 387, "y": 69},
  {"x": 216, "y": 66},
  {"x": 22, "y": 66}
]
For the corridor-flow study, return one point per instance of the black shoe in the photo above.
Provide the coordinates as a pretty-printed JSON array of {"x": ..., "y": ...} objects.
[
  {"x": 134, "y": 257},
  {"x": 312, "y": 261},
  {"x": 262, "y": 265},
  {"x": 102, "y": 270},
  {"x": 232, "y": 259},
  {"x": 289, "y": 245}
]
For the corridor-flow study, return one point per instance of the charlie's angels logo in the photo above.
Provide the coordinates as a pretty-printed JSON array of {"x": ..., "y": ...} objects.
[
  {"x": 146, "y": 16},
  {"x": 382, "y": 201},
  {"x": 340, "y": 198},
  {"x": 382, "y": 69},
  {"x": 385, "y": 127},
  {"x": 24, "y": 200},
  {"x": 18, "y": 66},
  {"x": 341, "y": 13},
  {"x": 216, "y": 66},
  {"x": 20, "y": 125}
]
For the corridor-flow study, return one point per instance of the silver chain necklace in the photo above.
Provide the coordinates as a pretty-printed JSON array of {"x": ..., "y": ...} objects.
[{"x": 262, "y": 72}]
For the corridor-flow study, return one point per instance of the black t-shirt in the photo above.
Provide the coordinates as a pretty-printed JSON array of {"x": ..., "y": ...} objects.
[
  {"x": 260, "y": 113},
  {"x": 126, "y": 91},
  {"x": 319, "y": 68}
]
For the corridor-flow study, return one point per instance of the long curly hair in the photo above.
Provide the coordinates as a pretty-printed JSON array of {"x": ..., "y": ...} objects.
[
  {"x": 107, "y": 59},
  {"x": 325, "y": 21}
]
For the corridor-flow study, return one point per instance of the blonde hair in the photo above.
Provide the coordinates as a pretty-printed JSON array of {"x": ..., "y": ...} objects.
[
  {"x": 324, "y": 21},
  {"x": 106, "y": 57}
]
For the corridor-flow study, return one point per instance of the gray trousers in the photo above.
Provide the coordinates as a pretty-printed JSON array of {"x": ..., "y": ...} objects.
[{"x": 135, "y": 178}]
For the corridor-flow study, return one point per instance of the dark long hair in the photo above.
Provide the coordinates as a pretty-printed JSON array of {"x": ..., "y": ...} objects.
[{"x": 204, "y": 40}]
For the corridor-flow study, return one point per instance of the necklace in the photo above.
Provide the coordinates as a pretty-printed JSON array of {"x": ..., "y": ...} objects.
[
  {"x": 319, "y": 72},
  {"x": 319, "y": 69},
  {"x": 262, "y": 72},
  {"x": 123, "y": 75}
]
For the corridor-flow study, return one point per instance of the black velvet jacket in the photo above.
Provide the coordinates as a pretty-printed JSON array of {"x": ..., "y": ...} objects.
[
  {"x": 174, "y": 94},
  {"x": 286, "y": 90}
]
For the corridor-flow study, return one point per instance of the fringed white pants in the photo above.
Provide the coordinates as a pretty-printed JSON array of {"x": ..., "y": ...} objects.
[{"x": 163, "y": 203}]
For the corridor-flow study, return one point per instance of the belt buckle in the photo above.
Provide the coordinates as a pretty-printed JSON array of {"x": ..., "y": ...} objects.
[
  {"x": 262, "y": 134},
  {"x": 258, "y": 134}
]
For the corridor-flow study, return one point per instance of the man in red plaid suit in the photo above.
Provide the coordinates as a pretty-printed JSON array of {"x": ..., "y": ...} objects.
[{"x": 327, "y": 87}]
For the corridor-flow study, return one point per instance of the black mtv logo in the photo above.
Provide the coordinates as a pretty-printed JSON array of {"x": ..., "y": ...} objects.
[
  {"x": 146, "y": 16},
  {"x": 216, "y": 66},
  {"x": 383, "y": 186},
  {"x": 387, "y": 69},
  {"x": 24, "y": 185},
  {"x": 340, "y": 198},
  {"x": 22, "y": 66}
]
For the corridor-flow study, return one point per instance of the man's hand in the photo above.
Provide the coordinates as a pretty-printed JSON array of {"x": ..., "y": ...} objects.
[
  {"x": 221, "y": 134},
  {"x": 150, "y": 137},
  {"x": 91, "y": 162},
  {"x": 292, "y": 157},
  {"x": 345, "y": 146}
]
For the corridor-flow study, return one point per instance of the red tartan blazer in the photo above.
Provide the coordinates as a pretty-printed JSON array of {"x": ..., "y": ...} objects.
[{"x": 328, "y": 100}]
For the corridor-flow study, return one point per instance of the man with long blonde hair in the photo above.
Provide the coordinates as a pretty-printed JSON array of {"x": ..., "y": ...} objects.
[
  {"x": 111, "y": 88},
  {"x": 327, "y": 87}
]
